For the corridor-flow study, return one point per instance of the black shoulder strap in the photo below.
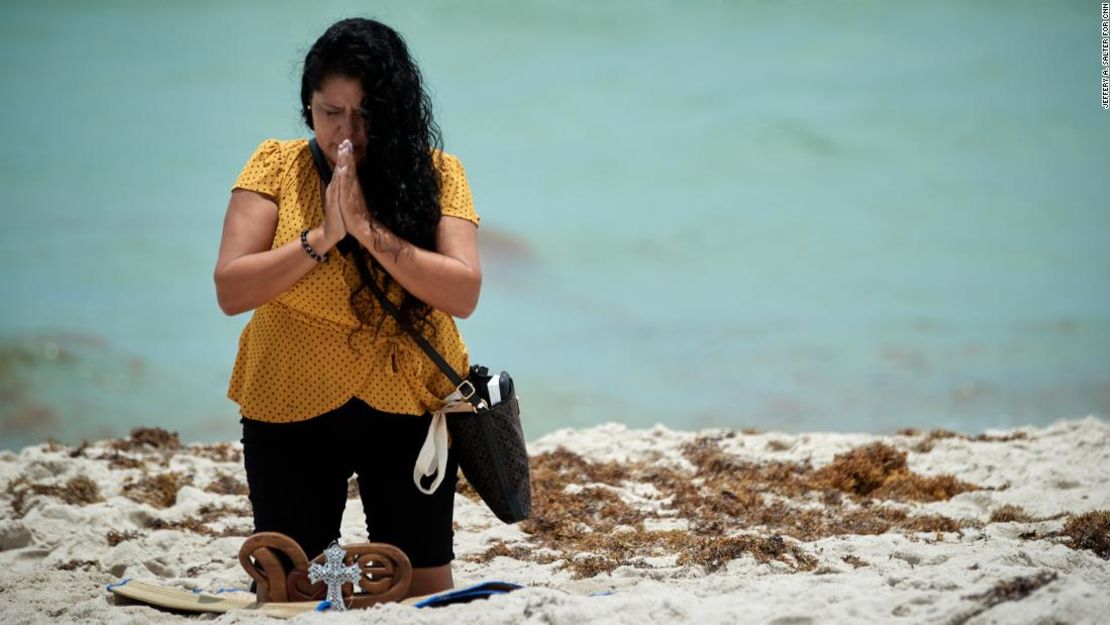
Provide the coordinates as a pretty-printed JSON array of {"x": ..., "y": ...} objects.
[
  {"x": 325, "y": 172},
  {"x": 420, "y": 340},
  {"x": 321, "y": 162}
]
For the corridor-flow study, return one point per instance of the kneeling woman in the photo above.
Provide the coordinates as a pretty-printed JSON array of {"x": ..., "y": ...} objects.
[{"x": 328, "y": 384}]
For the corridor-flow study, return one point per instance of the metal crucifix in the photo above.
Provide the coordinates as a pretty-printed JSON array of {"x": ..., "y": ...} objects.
[{"x": 334, "y": 574}]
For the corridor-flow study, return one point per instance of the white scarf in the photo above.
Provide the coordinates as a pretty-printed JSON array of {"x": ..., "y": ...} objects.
[{"x": 433, "y": 455}]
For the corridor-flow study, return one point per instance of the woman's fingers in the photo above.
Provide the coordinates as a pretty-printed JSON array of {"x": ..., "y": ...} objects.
[
  {"x": 329, "y": 193},
  {"x": 347, "y": 160},
  {"x": 346, "y": 153},
  {"x": 349, "y": 192},
  {"x": 332, "y": 195},
  {"x": 337, "y": 181}
]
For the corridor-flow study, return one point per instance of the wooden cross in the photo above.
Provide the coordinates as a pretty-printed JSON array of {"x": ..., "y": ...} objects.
[{"x": 334, "y": 574}]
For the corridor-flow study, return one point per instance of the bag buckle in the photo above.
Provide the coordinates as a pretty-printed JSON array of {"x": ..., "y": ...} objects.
[{"x": 466, "y": 395}]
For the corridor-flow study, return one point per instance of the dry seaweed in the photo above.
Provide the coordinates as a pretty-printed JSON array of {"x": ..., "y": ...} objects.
[
  {"x": 579, "y": 514},
  {"x": 1089, "y": 531},
  {"x": 79, "y": 452},
  {"x": 863, "y": 470},
  {"x": 714, "y": 552},
  {"x": 80, "y": 490},
  {"x": 926, "y": 444},
  {"x": 500, "y": 548},
  {"x": 217, "y": 452},
  {"x": 209, "y": 513},
  {"x": 1014, "y": 589},
  {"x": 188, "y": 524},
  {"x": 77, "y": 564},
  {"x": 1010, "y": 514},
  {"x": 148, "y": 438},
  {"x": 227, "y": 484},
  {"x": 114, "y": 538},
  {"x": 17, "y": 490},
  {"x": 878, "y": 470},
  {"x": 935, "y": 524},
  {"x": 117, "y": 461},
  {"x": 159, "y": 490},
  {"x": 462, "y": 487},
  {"x": 907, "y": 486},
  {"x": 596, "y": 531},
  {"x": 855, "y": 561},
  {"x": 199, "y": 524}
]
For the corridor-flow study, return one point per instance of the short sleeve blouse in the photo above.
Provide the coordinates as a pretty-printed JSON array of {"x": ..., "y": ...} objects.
[{"x": 295, "y": 359}]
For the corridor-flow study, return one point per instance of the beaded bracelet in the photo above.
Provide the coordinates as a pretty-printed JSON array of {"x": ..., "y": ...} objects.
[{"x": 308, "y": 248}]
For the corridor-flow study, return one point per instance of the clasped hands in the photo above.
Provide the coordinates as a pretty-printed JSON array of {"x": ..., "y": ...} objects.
[{"x": 344, "y": 205}]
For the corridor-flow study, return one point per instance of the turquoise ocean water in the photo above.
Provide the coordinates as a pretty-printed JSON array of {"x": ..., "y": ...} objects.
[{"x": 830, "y": 216}]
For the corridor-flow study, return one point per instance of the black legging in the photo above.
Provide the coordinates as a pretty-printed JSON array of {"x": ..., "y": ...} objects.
[{"x": 297, "y": 474}]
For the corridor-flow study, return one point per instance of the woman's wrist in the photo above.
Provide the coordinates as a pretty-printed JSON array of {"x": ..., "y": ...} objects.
[
  {"x": 364, "y": 232},
  {"x": 383, "y": 242},
  {"x": 318, "y": 239}
]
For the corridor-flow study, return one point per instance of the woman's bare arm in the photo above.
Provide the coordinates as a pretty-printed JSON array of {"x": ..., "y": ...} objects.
[
  {"x": 449, "y": 278},
  {"x": 249, "y": 273}
]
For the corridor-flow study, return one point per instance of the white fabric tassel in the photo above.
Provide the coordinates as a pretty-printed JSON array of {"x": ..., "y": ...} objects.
[{"x": 433, "y": 455}]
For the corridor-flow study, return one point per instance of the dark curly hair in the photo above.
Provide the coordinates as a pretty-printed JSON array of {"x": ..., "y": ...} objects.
[{"x": 397, "y": 175}]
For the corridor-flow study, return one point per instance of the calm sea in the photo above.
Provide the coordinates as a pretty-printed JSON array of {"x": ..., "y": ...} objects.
[{"x": 831, "y": 216}]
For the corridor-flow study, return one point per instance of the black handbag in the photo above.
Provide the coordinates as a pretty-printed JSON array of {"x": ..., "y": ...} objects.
[{"x": 488, "y": 442}]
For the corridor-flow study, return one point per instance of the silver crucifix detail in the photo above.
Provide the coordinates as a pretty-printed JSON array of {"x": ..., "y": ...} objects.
[{"x": 334, "y": 574}]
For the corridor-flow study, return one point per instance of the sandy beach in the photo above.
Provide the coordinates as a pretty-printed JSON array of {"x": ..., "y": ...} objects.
[{"x": 630, "y": 526}]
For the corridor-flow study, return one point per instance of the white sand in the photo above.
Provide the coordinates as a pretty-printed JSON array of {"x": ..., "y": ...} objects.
[{"x": 910, "y": 578}]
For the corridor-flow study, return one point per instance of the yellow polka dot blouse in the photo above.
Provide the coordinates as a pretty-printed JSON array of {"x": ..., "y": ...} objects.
[{"x": 294, "y": 360}]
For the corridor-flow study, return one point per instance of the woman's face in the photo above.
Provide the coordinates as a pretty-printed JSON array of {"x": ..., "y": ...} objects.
[{"x": 337, "y": 115}]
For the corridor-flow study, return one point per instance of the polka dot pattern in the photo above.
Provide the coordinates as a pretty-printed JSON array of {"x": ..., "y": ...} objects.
[
  {"x": 294, "y": 361},
  {"x": 454, "y": 194}
]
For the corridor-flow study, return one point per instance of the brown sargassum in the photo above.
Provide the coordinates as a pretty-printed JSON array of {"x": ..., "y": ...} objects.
[{"x": 731, "y": 506}]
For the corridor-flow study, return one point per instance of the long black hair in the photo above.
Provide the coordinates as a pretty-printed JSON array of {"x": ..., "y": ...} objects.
[{"x": 397, "y": 175}]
